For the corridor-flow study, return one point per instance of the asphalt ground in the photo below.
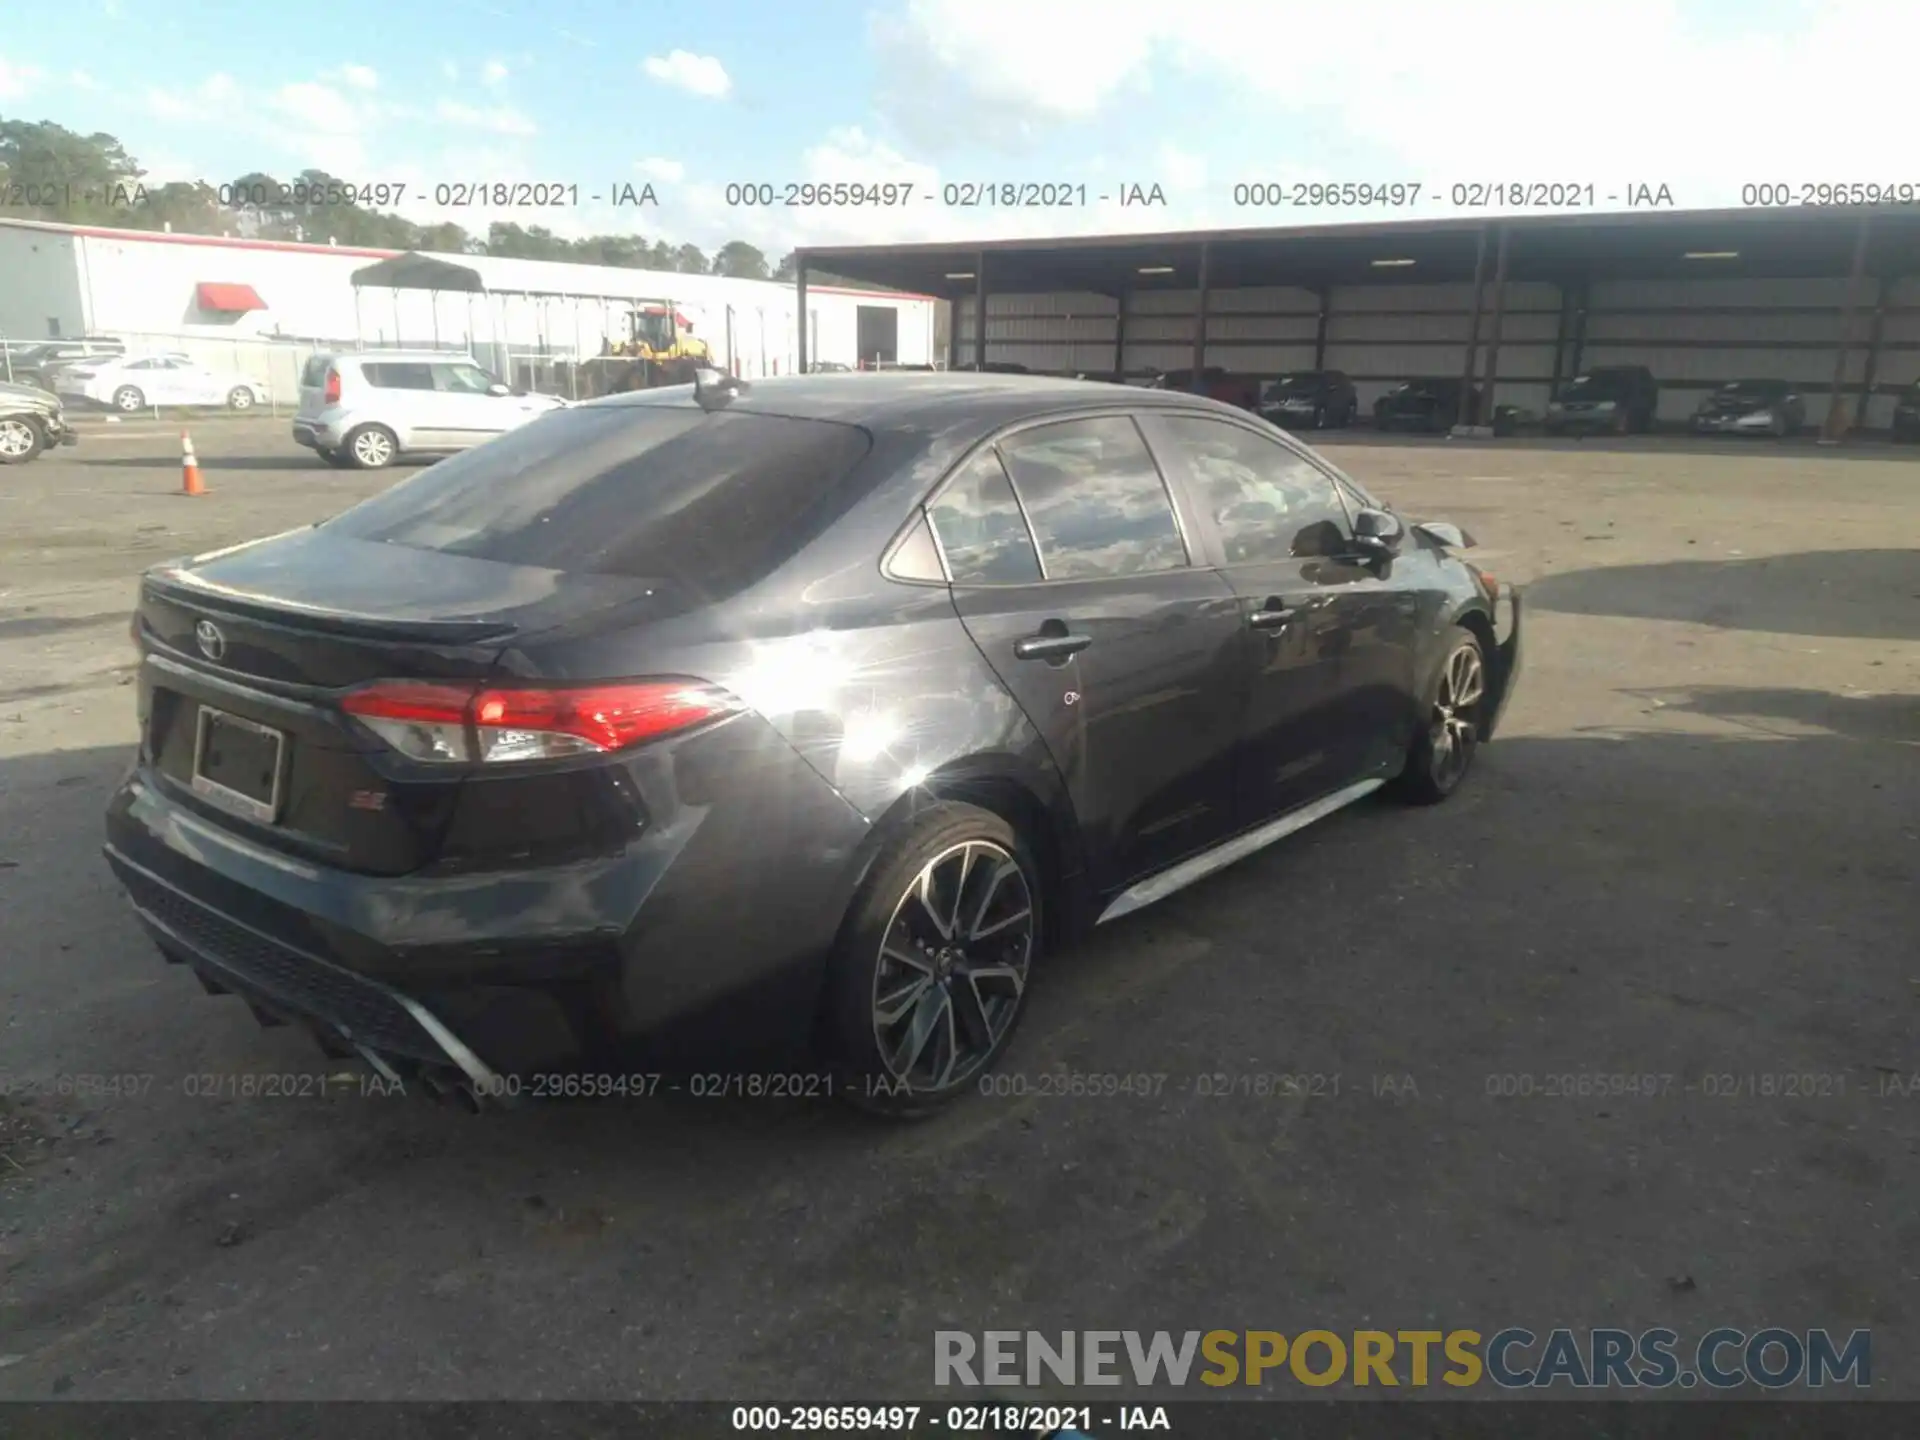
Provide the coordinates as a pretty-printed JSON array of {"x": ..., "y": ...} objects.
[{"x": 1691, "y": 856}]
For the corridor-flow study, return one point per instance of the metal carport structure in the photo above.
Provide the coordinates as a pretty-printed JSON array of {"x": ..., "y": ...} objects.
[
  {"x": 1815, "y": 269},
  {"x": 566, "y": 338}
]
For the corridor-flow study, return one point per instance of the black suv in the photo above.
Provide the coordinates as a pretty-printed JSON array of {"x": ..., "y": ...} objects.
[
  {"x": 1620, "y": 398},
  {"x": 1321, "y": 399}
]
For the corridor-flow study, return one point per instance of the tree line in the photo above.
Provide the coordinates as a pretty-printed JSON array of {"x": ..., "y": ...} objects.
[{"x": 48, "y": 172}]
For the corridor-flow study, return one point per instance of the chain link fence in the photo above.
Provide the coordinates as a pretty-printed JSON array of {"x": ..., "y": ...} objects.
[{"x": 275, "y": 363}]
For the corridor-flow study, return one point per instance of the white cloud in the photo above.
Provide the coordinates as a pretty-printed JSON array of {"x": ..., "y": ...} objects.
[
  {"x": 1463, "y": 101},
  {"x": 202, "y": 102},
  {"x": 495, "y": 120},
  {"x": 81, "y": 80},
  {"x": 494, "y": 73},
  {"x": 17, "y": 79},
  {"x": 450, "y": 70},
  {"x": 321, "y": 108},
  {"x": 696, "y": 74},
  {"x": 360, "y": 77},
  {"x": 654, "y": 168}
]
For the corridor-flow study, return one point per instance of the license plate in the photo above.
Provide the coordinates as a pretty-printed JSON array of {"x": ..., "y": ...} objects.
[{"x": 237, "y": 764}]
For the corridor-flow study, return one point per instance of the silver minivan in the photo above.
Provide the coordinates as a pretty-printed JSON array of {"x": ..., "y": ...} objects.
[{"x": 363, "y": 409}]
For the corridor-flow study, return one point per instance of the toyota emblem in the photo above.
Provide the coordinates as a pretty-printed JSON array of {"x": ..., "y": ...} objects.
[{"x": 212, "y": 643}]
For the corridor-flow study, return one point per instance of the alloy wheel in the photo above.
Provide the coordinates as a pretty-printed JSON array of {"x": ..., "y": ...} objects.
[
  {"x": 372, "y": 449},
  {"x": 16, "y": 438},
  {"x": 240, "y": 399},
  {"x": 129, "y": 399},
  {"x": 1454, "y": 729},
  {"x": 952, "y": 968}
]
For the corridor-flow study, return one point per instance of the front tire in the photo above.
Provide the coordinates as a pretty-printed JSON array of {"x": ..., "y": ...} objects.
[
  {"x": 20, "y": 440},
  {"x": 240, "y": 398},
  {"x": 370, "y": 447},
  {"x": 128, "y": 398},
  {"x": 928, "y": 982},
  {"x": 1444, "y": 747}
]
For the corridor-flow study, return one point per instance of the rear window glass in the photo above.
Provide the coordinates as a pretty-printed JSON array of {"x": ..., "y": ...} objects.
[
  {"x": 711, "y": 503},
  {"x": 314, "y": 374}
]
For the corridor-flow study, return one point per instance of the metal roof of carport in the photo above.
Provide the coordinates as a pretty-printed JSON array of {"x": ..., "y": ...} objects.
[{"x": 1779, "y": 242}]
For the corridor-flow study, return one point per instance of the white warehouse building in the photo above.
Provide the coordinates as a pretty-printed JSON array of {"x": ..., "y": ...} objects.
[{"x": 257, "y": 304}]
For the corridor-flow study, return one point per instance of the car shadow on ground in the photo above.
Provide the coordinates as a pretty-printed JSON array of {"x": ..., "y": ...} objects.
[{"x": 1839, "y": 593}]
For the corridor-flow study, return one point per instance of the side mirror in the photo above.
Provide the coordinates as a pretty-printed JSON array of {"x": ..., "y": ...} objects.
[
  {"x": 499, "y": 388},
  {"x": 1376, "y": 532}
]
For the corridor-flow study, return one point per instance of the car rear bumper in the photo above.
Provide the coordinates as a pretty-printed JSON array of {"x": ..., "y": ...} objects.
[
  {"x": 1733, "y": 424},
  {"x": 705, "y": 931},
  {"x": 315, "y": 435}
]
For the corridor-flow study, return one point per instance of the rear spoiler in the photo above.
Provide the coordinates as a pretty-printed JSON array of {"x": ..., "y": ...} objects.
[{"x": 172, "y": 581}]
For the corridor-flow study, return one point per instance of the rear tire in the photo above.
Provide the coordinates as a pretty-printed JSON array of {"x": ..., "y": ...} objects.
[
  {"x": 240, "y": 398},
  {"x": 128, "y": 398},
  {"x": 370, "y": 447},
  {"x": 20, "y": 440},
  {"x": 928, "y": 981},
  {"x": 1443, "y": 748}
]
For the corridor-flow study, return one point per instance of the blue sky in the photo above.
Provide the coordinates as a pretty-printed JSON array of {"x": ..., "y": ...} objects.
[{"x": 1689, "y": 94}]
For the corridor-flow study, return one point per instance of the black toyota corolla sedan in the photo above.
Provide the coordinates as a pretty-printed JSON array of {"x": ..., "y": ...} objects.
[{"x": 800, "y": 719}]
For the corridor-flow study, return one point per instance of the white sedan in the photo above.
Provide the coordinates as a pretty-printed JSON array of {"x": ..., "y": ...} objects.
[{"x": 137, "y": 382}]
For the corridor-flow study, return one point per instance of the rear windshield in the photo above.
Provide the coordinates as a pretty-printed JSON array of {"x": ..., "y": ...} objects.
[
  {"x": 1754, "y": 387},
  {"x": 711, "y": 503},
  {"x": 314, "y": 375},
  {"x": 1305, "y": 383}
]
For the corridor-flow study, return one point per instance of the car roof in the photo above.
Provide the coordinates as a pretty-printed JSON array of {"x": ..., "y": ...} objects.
[
  {"x": 408, "y": 355},
  {"x": 899, "y": 400}
]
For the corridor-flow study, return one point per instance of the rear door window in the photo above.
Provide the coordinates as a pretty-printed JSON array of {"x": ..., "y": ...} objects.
[
  {"x": 1094, "y": 498},
  {"x": 710, "y": 503},
  {"x": 398, "y": 375}
]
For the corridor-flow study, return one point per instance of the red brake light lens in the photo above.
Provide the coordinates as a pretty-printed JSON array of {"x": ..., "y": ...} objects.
[
  {"x": 333, "y": 386},
  {"x": 465, "y": 724}
]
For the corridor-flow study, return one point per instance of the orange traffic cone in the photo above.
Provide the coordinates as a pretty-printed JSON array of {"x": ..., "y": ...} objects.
[{"x": 189, "y": 468}]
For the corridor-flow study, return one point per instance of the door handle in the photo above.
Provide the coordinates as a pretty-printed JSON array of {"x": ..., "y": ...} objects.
[
  {"x": 1051, "y": 645},
  {"x": 1272, "y": 614}
]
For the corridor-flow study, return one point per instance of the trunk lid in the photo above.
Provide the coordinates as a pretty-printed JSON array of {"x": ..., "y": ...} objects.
[{"x": 265, "y": 639}]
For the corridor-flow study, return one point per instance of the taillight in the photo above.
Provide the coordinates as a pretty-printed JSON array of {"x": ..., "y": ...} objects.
[
  {"x": 1490, "y": 585},
  {"x": 459, "y": 724},
  {"x": 333, "y": 386}
]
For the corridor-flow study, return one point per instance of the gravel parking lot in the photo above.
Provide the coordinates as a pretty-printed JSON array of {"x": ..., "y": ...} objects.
[{"x": 1692, "y": 855}]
